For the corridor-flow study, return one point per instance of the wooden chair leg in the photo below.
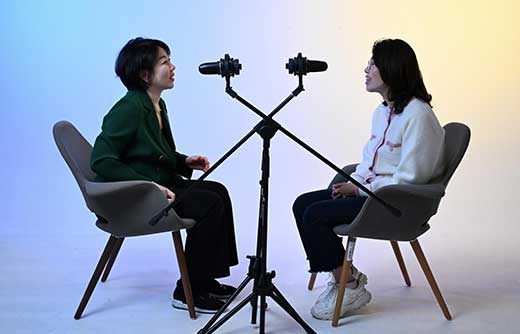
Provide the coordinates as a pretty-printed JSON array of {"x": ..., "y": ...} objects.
[
  {"x": 429, "y": 276},
  {"x": 312, "y": 279},
  {"x": 95, "y": 277},
  {"x": 179, "y": 250},
  {"x": 112, "y": 259},
  {"x": 345, "y": 277},
  {"x": 400, "y": 261}
]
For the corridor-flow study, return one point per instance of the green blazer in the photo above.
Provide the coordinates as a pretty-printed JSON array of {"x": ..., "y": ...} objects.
[{"x": 131, "y": 145}]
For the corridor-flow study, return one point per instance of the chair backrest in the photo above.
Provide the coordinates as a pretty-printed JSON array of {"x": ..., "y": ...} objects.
[
  {"x": 375, "y": 222},
  {"x": 76, "y": 151},
  {"x": 456, "y": 141},
  {"x": 146, "y": 199}
]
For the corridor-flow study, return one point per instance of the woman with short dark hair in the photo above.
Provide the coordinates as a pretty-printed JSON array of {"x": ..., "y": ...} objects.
[
  {"x": 136, "y": 143},
  {"x": 405, "y": 147}
]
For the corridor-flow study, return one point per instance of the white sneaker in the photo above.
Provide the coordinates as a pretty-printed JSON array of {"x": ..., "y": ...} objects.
[
  {"x": 359, "y": 276},
  {"x": 352, "y": 300},
  {"x": 331, "y": 285},
  {"x": 328, "y": 296}
]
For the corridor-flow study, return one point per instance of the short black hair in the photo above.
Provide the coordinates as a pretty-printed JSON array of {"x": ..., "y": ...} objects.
[
  {"x": 138, "y": 55},
  {"x": 399, "y": 69}
]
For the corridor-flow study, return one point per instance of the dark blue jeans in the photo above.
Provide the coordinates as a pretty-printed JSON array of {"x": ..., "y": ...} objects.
[{"x": 316, "y": 213}]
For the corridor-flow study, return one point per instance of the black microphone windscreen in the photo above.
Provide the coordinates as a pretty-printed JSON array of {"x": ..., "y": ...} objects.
[
  {"x": 210, "y": 68},
  {"x": 316, "y": 66}
]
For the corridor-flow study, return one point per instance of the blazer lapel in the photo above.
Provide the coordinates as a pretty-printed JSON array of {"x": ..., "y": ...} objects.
[
  {"x": 152, "y": 123},
  {"x": 167, "y": 130}
]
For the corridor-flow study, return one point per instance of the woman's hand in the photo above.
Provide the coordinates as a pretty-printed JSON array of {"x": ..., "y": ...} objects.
[
  {"x": 344, "y": 189},
  {"x": 198, "y": 162},
  {"x": 170, "y": 196}
]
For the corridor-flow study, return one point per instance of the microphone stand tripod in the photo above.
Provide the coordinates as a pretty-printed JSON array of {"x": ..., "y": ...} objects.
[{"x": 263, "y": 286}]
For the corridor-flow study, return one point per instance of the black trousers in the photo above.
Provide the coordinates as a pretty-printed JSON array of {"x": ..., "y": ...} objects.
[
  {"x": 316, "y": 213},
  {"x": 210, "y": 248}
]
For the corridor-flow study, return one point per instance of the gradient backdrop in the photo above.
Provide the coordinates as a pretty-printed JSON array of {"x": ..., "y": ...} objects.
[{"x": 57, "y": 60}]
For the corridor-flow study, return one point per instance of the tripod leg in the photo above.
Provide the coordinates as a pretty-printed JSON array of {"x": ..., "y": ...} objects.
[
  {"x": 284, "y": 304},
  {"x": 252, "y": 273},
  {"x": 262, "y": 314},
  {"x": 254, "y": 309},
  {"x": 112, "y": 259},
  {"x": 227, "y": 316},
  {"x": 228, "y": 302}
]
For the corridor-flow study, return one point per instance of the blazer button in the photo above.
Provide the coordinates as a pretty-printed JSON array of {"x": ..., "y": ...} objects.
[{"x": 162, "y": 157}]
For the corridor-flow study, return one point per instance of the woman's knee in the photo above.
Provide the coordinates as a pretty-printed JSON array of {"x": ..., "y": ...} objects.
[
  {"x": 301, "y": 203},
  {"x": 218, "y": 188},
  {"x": 317, "y": 213}
]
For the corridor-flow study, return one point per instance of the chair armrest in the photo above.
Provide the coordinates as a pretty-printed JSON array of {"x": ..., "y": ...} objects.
[
  {"x": 127, "y": 206},
  {"x": 416, "y": 202},
  {"x": 431, "y": 191},
  {"x": 120, "y": 188}
]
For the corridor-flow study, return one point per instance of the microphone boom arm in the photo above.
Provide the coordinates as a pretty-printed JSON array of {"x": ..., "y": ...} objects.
[{"x": 268, "y": 118}]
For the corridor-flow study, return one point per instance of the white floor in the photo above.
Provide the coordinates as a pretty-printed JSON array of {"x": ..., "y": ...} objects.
[{"x": 44, "y": 274}]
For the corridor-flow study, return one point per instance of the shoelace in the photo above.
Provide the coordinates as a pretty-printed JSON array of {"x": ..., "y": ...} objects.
[{"x": 329, "y": 293}]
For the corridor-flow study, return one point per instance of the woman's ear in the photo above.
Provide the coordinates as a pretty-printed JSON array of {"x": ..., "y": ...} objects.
[{"x": 145, "y": 76}]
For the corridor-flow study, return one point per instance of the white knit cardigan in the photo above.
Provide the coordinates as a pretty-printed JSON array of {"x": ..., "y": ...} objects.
[{"x": 404, "y": 148}]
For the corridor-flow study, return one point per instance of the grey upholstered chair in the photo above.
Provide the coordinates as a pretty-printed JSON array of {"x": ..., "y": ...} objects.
[
  {"x": 123, "y": 209},
  {"x": 418, "y": 203}
]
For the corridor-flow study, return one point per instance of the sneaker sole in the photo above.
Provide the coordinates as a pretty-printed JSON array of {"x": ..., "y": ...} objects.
[
  {"x": 357, "y": 304},
  {"x": 183, "y": 306}
]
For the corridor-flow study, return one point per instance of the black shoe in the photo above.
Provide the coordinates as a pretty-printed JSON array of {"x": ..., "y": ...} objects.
[
  {"x": 218, "y": 290},
  {"x": 203, "y": 302}
]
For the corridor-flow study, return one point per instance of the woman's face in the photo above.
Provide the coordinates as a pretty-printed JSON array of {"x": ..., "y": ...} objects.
[
  {"x": 373, "y": 81},
  {"x": 163, "y": 72}
]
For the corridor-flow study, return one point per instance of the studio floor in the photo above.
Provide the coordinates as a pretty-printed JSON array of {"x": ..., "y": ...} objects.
[{"x": 43, "y": 277}]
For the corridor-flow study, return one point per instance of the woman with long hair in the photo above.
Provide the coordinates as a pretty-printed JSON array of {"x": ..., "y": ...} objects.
[{"x": 405, "y": 147}]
